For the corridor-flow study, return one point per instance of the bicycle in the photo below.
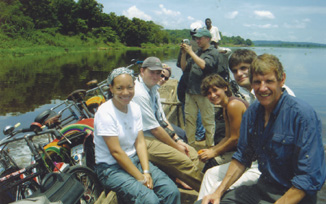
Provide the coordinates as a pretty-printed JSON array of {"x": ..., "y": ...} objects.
[
  {"x": 20, "y": 182},
  {"x": 28, "y": 181},
  {"x": 76, "y": 144}
]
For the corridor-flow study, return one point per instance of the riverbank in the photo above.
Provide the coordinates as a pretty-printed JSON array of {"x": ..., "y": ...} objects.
[
  {"x": 45, "y": 50},
  {"x": 52, "y": 43},
  {"x": 55, "y": 44}
]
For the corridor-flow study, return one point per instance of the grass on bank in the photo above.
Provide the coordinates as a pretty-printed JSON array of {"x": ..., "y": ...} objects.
[{"x": 51, "y": 43}]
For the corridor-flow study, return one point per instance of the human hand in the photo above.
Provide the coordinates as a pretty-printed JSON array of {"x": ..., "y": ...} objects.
[
  {"x": 205, "y": 154},
  {"x": 148, "y": 181},
  {"x": 181, "y": 148},
  {"x": 211, "y": 199},
  {"x": 186, "y": 48},
  {"x": 182, "y": 143}
]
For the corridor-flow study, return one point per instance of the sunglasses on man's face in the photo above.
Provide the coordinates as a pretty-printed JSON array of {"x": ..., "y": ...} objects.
[{"x": 164, "y": 77}]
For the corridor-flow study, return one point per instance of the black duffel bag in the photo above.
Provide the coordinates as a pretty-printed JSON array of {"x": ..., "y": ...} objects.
[{"x": 62, "y": 187}]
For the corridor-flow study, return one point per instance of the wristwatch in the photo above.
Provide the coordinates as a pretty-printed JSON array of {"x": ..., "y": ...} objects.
[{"x": 146, "y": 172}]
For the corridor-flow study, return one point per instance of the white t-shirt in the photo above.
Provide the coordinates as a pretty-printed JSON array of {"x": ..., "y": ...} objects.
[
  {"x": 144, "y": 99},
  {"x": 109, "y": 121},
  {"x": 215, "y": 34}
]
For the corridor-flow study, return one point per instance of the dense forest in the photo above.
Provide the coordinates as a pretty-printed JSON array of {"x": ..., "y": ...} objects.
[{"x": 54, "y": 22}]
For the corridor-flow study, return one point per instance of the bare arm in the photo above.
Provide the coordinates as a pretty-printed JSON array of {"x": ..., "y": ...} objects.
[
  {"x": 199, "y": 61},
  {"x": 234, "y": 117},
  {"x": 292, "y": 196},
  {"x": 179, "y": 142},
  {"x": 236, "y": 169},
  {"x": 164, "y": 137},
  {"x": 141, "y": 149},
  {"x": 232, "y": 131}
]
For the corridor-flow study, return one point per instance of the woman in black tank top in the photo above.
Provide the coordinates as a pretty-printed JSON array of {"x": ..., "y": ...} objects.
[{"x": 219, "y": 93}]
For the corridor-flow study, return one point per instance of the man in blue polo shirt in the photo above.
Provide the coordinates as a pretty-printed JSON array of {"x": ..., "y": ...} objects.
[{"x": 284, "y": 134}]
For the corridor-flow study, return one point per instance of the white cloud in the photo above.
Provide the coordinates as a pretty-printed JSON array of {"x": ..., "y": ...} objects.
[
  {"x": 232, "y": 15},
  {"x": 167, "y": 12},
  {"x": 264, "y": 14},
  {"x": 299, "y": 24},
  {"x": 135, "y": 12},
  {"x": 260, "y": 26},
  {"x": 168, "y": 18},
  {"x": 190, "y": 18}
]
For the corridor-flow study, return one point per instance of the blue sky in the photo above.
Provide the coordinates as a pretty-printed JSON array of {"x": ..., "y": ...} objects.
[{"x": 285, "y": 20}]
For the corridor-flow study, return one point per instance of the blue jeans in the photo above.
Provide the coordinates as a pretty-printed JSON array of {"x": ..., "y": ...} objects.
[
  {"x": 129, "y": 190},
  {"x": 200, "y": 130}
]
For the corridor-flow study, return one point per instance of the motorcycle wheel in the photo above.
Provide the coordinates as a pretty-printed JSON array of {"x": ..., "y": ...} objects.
[{"x": 89, "y": 179}]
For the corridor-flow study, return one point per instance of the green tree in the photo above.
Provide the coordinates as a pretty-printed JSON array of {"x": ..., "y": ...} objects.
[
  {"x": 91, "y": 12},
  {"x": 41, "y": 12},
  {"x": 156, "y": 34},
  {"x": 81, "y": 26},
  {"x": 121, "y": 27},
  {"x": 12, "y": 20},
  {"x": 106, "y": 33},
  {"x": 137, "y": 33},
  {"x": 65, "y": 12},
  {"x": 238, "y": 40},
  {"x": 249, "y": 42}
]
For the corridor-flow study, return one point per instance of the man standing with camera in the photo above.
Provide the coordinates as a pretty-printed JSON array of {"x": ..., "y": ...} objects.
[{"x": 201, "y": 63}]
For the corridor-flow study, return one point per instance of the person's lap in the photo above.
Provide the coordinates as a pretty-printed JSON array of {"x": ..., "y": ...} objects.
[
  {"x": 113, "y": 177},
  {"x": 214, "y": 176},
  {"x": 175, "y": 163}
]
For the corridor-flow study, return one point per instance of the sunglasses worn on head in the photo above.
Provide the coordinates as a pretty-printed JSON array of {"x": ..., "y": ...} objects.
[{"x": 165, "y": 77}]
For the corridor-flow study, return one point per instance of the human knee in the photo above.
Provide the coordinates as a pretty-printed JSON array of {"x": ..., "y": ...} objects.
[
  {"x": 172, "y": 195},
  {"x": 148, "y": 198}
]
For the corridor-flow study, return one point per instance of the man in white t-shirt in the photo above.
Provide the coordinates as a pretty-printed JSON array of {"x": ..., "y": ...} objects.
[
  {"x": 166, "y": 149},
  {"x": 214, "y": 32}
]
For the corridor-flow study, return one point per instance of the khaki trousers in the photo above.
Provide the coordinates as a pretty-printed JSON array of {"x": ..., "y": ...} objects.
[
  {"x": 192, "y": 105},
  {"x": 174, "y": 163}
]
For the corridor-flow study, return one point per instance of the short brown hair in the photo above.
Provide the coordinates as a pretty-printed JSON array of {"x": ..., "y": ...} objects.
[
  {"x": 214, "y": 80},
  {"x": 264, "y": 64},
  {"x": 241, "y": 56}
]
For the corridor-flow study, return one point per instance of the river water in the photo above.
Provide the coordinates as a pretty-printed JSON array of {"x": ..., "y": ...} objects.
[{"x": 30, "y": 85}]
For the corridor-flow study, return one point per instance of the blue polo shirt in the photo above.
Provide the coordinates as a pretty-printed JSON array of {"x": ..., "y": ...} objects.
[{"x": 289, "y": 149}]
